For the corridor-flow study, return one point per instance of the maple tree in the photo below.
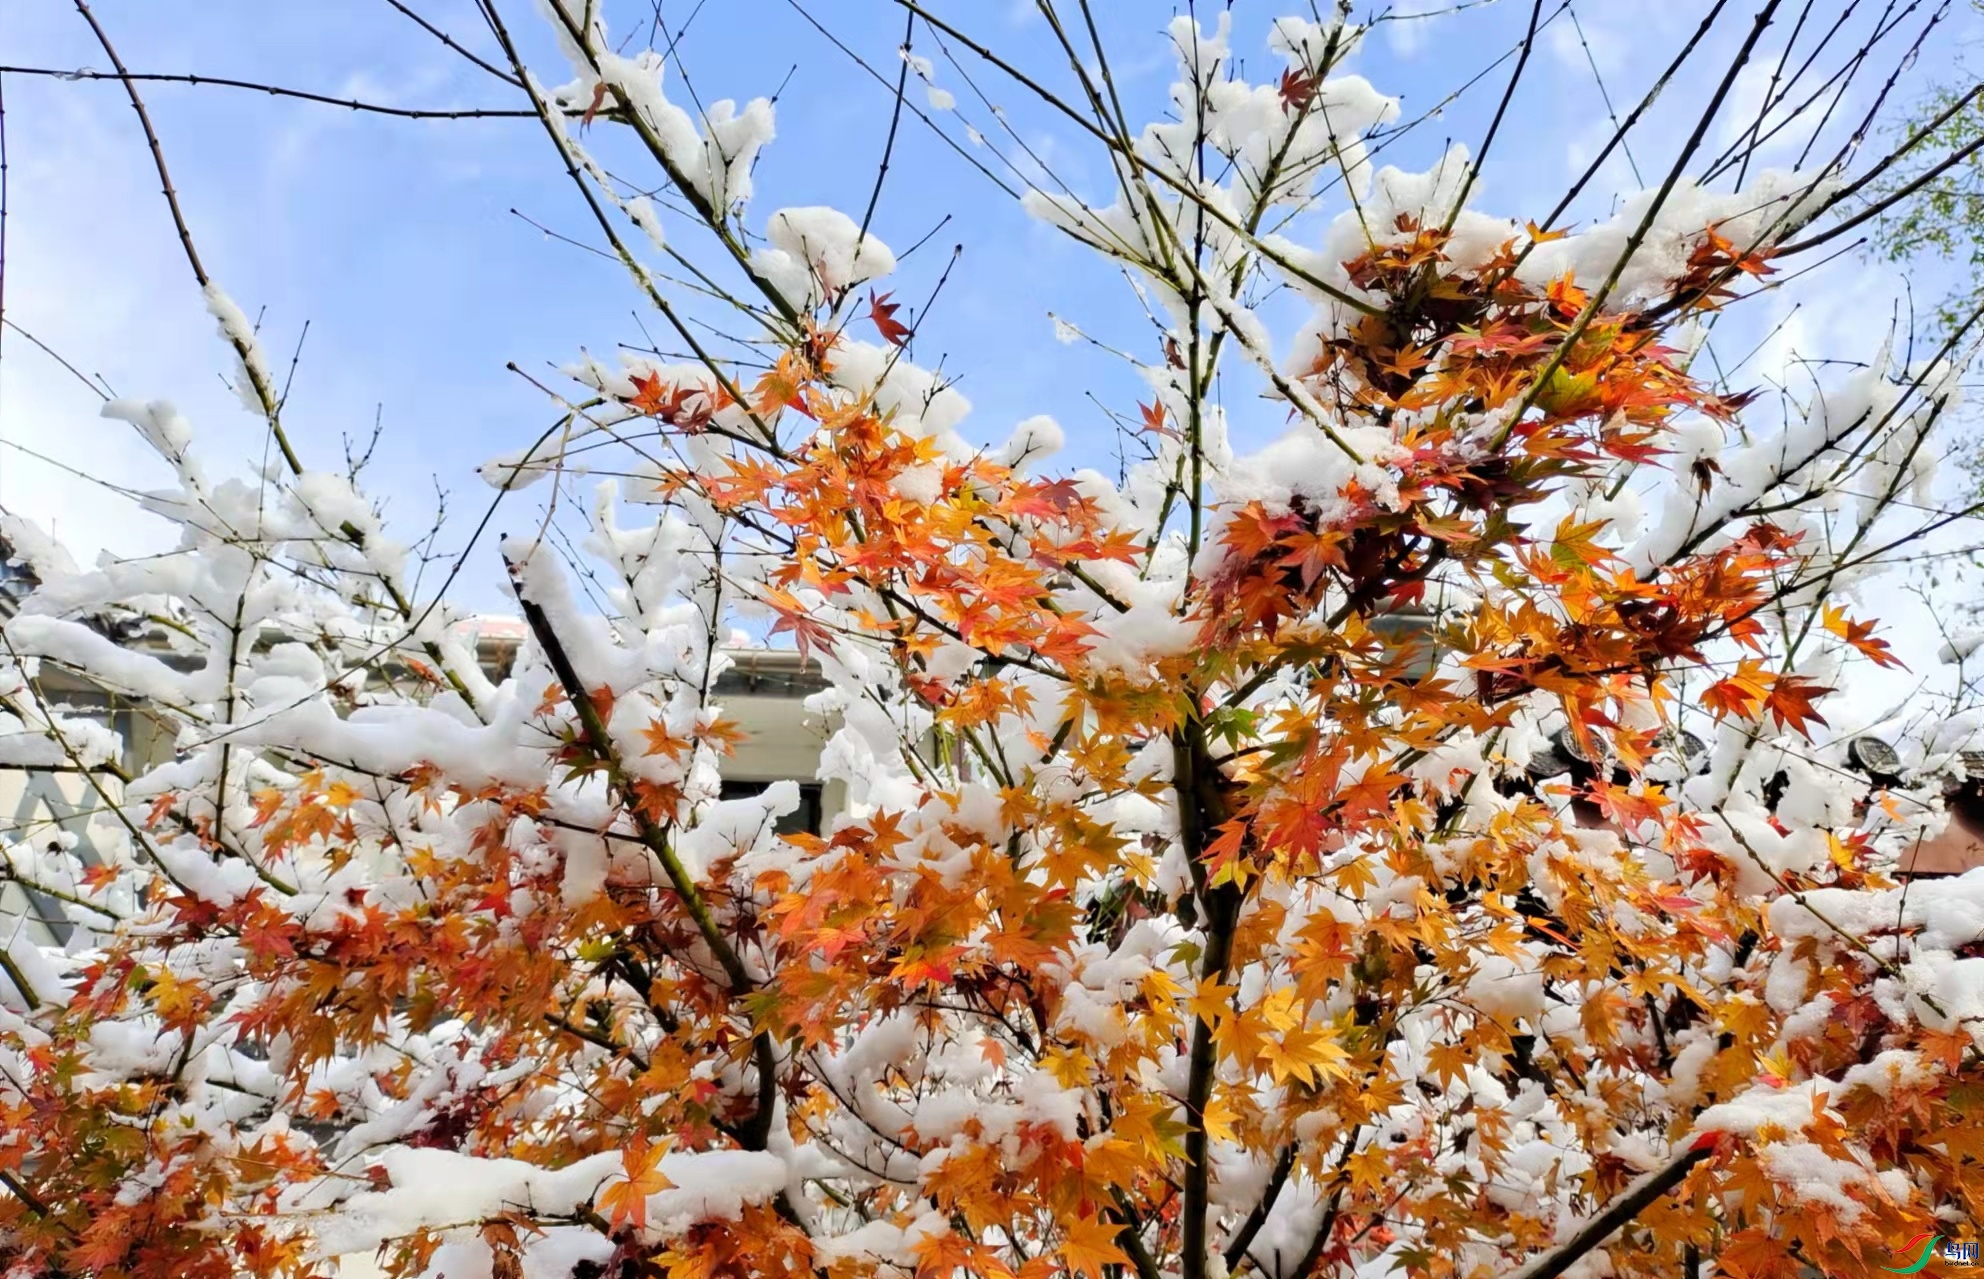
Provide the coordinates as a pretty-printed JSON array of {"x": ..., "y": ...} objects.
[{"x": 1385, "y": 849}]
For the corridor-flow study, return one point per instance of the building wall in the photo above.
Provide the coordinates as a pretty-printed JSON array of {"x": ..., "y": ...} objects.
[
  {"x": 782, "y": 742},
  {"x": 763, "y": 692}
]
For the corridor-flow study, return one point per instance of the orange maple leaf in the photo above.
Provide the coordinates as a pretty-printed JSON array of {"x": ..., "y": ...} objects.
[
  {"x": 687, "y": 408},
  {"x": 661, "y": 741},
  {"x": 1858, "y": 634},
  {"x": 1790, "y": 702},
  {"x": 784, "y": 386},
  {"x": 163, "y": 805},
  {"x": 626, "y": 1200},
  {"x": 1739, "y": 694},
  {"x": 267, "y": 801}
]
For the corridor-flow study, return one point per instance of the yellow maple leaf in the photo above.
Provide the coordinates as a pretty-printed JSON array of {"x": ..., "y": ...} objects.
[
  {"x": 1159, "y": 987},
  {"x": 179, "y": 1002},
  {"x": 1218, "y": 1117},
  {"x": 1307, "y": 1055},
  {"x": 1774, "y": 1069},
  {"x": 1113, "y": 1161},
  {"x": 1279, "y": 1010},
  {"x": 1088, "y": 1245},
  {"x": 1074, "y": 1069},
  {"x": 1212, "y": 1003}
]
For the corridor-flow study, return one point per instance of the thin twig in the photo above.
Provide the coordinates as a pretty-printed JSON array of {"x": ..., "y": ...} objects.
[
  {"x": 1881, "y": 206},
  {"x": 278, "y": 91},
  {"x": 1469, "y": 173},
  {"x": 1611, "y": 112},
  {"x": 1142, "y": 164},
  {"x": 889, "y": 145},
  {"x": 101, "y": 392},
  {"x": 505, "y": 76},
  {"x": 914, "y": 110}
]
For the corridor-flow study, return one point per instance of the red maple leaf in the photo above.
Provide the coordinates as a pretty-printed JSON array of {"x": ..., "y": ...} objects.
[
  {"x": 1297, "y": 89},
  {"x": 651, "y": 395},
  {"x": 883, "y": 313},
  {"x": 807, "y": 634}
]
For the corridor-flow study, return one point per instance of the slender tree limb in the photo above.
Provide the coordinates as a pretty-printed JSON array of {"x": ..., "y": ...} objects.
[
  {"x": 889, "y": 144},
  {"x": 100, "y": 392},
  {"x": 1619, "y": 134},
  {"x": 19, "y": 980},
  {"x": 20, "y": 1191},
  {"x": 596, "y": 1039},
  {"x": 3, "y": 207},
  {"x": 1908, "y": 144},
  {"x": 1140, "y": 163},
  {"x": 1201, "y": 811},
  {"x": 1501, "y": 110},
  {"x": 877, "y": 77},
  {"x": 1131, "y": 1241},
  {"x": 265, "y": 394},
  {"x": 712, "y": 217},
  {"x": 641, "y": 277},
  {"x": 754, "y": 1134}
]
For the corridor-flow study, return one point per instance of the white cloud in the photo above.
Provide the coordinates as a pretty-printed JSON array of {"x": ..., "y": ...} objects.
[
  {"x": 94, "y": 271},
  {"x": 1848, "y": 317},
  {"x": 1748, "y": 100},
  {"x": 1607, "y": 44}
]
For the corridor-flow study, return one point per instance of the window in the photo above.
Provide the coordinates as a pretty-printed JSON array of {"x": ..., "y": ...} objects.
[{"x": 805, "y": 818}]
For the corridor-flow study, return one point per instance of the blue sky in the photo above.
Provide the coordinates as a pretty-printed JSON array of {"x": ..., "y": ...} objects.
[{"x": 396, "y": 242}]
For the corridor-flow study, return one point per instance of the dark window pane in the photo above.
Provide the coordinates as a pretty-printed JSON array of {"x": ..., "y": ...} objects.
[{"x": 806, "y": 818}]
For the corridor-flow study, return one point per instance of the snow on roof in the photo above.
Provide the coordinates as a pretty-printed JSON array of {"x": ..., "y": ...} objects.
[{"x": 496, "y": 627}]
